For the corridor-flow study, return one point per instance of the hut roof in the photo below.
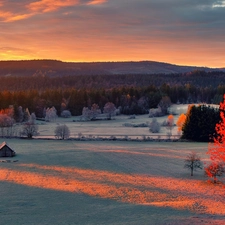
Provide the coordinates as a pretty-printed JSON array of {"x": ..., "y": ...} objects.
[
  {"x": 6, "y": 151},
  {"x": 4, "y": 144}
]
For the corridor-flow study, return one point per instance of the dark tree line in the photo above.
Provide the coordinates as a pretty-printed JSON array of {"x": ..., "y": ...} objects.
[
  {"x": 131, "y": 100},
  {"x": 200, "y": 123},
  {"x": 134, "y": 94},
  {"x": 194, "y": 80}
]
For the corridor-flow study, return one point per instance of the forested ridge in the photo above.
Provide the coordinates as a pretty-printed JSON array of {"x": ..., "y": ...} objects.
[
  {"x": 134, "y": 87},
  {"x": 134, "y": 94},
  {"x": 199, "y": 79},
  {"x": 55, "y": 68}
]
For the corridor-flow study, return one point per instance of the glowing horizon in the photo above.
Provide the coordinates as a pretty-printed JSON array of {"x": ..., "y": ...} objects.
[{"x": 186, "y": 33}]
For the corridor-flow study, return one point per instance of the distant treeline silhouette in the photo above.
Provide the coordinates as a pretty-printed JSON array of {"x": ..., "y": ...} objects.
[{"x": 134, "y": 94}]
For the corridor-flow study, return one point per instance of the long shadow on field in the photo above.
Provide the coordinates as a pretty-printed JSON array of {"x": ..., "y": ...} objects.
[{"x": 181, "y": 194}]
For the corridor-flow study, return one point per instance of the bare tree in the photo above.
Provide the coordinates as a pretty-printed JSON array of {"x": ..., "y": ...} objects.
[
  {"x": 62, "y": 132},
  {"x": 29, "y": 130},
  {"x": 193, "y": 162},
  {"x": 214, "y": 170}
]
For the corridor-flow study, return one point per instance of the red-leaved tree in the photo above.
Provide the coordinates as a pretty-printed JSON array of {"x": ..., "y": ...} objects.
[
  {"x": 216, "y": 149},
  {"x": 214, "y": 170}
]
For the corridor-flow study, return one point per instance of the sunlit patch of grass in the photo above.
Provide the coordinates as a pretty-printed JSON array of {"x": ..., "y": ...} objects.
[{"x": 159, "y": 191}]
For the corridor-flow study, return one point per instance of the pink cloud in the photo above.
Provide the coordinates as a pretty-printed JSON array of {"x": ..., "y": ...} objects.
[
  {"x": 42, "y": 6},
  {"x": 53, "y": 5},
  {"x": 50, "y": 5},
  {"x": 96, "y": 2},
  {"x": 10, "y": 17}
]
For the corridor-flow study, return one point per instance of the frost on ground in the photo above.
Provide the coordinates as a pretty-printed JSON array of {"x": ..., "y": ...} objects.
[
  {"x": 120, "y": 126},
  {"x": 69, "y": 182},
  {"x": 138, "y": 126}
]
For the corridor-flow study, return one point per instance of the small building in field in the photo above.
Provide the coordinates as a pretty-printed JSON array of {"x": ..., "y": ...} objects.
[{"x": 6, "y": 151}]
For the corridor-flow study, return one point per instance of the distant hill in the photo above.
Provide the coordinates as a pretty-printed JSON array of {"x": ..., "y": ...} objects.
[{"x": 59, "y": 68}]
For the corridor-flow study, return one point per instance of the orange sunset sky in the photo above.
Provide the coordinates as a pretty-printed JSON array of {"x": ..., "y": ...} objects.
[{"x": 181, "y": 32}]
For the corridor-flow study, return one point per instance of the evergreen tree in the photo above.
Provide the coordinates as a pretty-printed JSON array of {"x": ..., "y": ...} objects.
[{"x": 200, "y": 123}]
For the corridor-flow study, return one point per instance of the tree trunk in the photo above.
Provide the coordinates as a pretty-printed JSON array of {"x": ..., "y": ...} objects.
[{"x": 192, "y": 168}]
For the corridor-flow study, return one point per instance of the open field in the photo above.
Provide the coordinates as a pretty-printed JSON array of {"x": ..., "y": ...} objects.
[
  {"x": 75, "y": 182},
  {"x": 114, "y": 127}
]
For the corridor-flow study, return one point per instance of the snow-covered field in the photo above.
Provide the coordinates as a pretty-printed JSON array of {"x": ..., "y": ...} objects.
[
  {"x": 114, "y": 127},
  {"x": 107, "y": 182}
]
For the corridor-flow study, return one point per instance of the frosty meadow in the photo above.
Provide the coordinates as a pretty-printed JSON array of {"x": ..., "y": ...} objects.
[
  {"x": 88, "y": 181},
  {"x": 106, "y": 182}
]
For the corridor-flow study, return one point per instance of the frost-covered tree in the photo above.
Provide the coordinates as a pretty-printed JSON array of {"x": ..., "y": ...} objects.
[
  {"x": 66, "y": 114},
  {"x": 143, "y": 104},
  {"x": 51, "y": 114},
  {"x": 164, "y": 104},
  {"x": 86, "y": 113},
  {"x": 18, "y": 114},
  {"x": 95, "y": 111},
  {"x": 29, "y": 130},
  {"x": 155, "y": 112},
  {"x": 193, "y": 162},
  {"x": 6, "y": 124},
  {"x": 154, "y": 126},
  {"x": 6, "y": 121},
  {"x": 170, "y": 124},
  {"x": 62, "y": 132},
  {"x": 109, "y": 109},
  {"x": 32, "y": 118},
  {"x": 26, "y": 116},
  {"x": 90, "y": 114}
]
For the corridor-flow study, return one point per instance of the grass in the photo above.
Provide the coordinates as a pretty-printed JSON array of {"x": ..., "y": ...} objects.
[{"x": 69, "y": 182}]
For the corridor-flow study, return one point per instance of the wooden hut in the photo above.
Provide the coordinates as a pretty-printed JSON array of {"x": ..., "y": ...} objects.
[{"x": 6, "y": 151}]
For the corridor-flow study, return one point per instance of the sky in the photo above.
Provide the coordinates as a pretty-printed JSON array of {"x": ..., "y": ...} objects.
[{"x": 182, "y": 32}]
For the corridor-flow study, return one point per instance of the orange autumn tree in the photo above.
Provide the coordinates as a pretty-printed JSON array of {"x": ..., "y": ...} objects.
[
  {"x": 216, "y": 149},
  {"x": 180, "y": 122}
]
